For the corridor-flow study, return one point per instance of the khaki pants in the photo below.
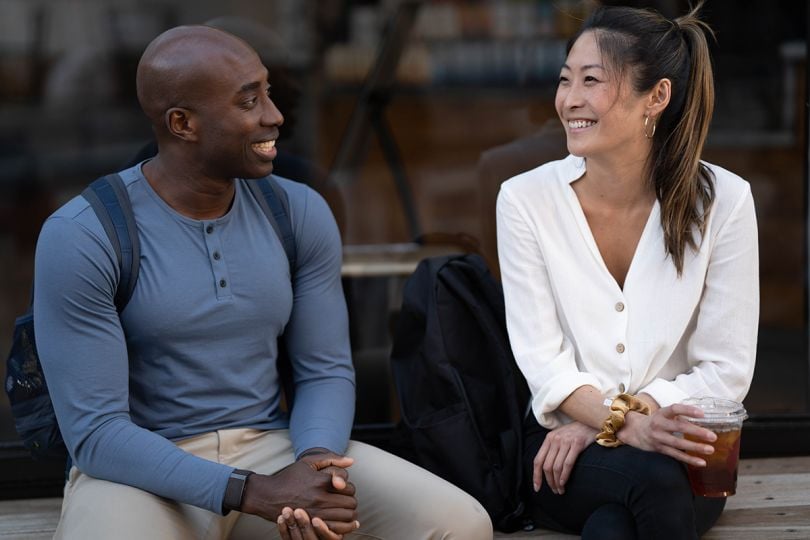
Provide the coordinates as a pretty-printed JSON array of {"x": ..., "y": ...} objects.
[{"x": 396, "y": 499}]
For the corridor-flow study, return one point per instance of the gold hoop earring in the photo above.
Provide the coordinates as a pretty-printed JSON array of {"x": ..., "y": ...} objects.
[{"x": 647, "y": 133}]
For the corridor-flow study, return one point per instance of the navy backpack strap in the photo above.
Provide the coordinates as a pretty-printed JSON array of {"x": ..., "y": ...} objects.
[
  {"x": 274, "y": 203},
  {"x": 276, "y": 207},
  {"x": 108, "y": 198}
]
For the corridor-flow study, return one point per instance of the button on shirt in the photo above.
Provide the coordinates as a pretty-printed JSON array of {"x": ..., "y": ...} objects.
[{"x": 671, "y": 336}]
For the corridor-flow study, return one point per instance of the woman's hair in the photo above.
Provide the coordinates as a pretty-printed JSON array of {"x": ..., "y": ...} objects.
[{"x": 652, "y": 48}]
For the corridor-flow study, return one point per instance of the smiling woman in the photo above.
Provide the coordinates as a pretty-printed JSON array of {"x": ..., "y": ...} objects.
[{"x": 630, "y": 272}]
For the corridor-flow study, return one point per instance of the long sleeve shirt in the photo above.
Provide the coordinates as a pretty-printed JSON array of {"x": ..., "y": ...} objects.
[
  {"x": 670, "y": 336},
  {"x": 195, "y": 349}
]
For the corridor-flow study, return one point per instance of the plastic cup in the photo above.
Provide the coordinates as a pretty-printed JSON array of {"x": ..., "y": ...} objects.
[{"x": 724, "y": 417}]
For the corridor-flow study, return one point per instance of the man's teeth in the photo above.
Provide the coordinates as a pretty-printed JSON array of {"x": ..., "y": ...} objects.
[
  {"x": 574, "y": 124},
  {"x": 264, "y": 146}
]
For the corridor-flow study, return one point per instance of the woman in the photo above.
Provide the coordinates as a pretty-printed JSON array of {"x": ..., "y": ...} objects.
[{"x": 630, "y": 267}]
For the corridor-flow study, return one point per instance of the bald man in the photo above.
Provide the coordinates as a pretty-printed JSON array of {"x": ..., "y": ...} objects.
[{"x": 171, "y": 411}]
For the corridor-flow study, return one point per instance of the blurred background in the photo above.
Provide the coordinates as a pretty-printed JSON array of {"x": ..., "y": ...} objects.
[{"x": 407, "y": 116}]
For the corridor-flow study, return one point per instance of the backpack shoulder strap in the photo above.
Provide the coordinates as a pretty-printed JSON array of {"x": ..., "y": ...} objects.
[
  {"x": 274, "y": 203},
  {"x": 109, "y": 199},
  {"x": 276, "y": 207}
]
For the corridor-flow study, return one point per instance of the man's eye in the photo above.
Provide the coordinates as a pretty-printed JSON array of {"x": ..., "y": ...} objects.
[{"x": 269, "y": 91}]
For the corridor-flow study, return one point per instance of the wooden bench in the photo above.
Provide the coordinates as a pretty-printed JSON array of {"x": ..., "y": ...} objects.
[{"x": 772, "y": 502}]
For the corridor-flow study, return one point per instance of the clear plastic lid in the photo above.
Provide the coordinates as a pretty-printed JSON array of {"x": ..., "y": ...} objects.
[{"x": 717, "y": 411}]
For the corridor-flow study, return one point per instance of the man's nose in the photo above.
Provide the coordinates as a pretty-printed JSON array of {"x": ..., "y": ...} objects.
[{"x": 271, "y": 116}]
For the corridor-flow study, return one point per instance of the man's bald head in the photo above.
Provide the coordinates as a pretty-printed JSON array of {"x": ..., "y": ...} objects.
[{"x": 176, "y": 66}]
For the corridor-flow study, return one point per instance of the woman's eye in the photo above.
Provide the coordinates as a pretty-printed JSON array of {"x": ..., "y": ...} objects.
[{"x": 563, "y": 79}]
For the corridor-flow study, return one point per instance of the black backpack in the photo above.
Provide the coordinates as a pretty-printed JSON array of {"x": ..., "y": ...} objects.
[
  {"x": 31, "y": 406},
  {"x": 461, "y": 395}
]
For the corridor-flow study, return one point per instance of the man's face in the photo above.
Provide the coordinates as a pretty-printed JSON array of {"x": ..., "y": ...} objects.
[{"x": 237, "y": 122}]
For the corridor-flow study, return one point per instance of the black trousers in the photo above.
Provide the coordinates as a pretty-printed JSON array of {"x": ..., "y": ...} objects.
[{"x": 620, "y": 493}]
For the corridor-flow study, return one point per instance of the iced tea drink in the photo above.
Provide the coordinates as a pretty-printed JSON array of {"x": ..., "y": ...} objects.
[{"x": 719, "y": 477}]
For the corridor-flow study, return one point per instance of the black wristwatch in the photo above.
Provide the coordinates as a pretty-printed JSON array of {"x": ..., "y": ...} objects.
[{"x": 235, "y": 490}]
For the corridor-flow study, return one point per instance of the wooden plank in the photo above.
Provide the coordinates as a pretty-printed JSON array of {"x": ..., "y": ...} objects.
[
  {"x": 771, "y": 490},
  {"x": 29, "y": 518},
  {"x": 787, "y": 516},
  {"x": 537, "y": 533},
  {"x": 775, "y": 465},
  {"x": 758, "y": 533}
]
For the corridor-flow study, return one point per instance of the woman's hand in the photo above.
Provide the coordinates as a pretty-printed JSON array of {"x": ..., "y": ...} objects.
[
  {"x": 558, "y": 453},
  {"x": 660, "y": 432}
]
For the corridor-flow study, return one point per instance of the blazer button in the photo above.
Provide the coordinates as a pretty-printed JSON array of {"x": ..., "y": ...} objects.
[
  {"x": 619, "y": 306},
  {"x": 620, "y": 348}
]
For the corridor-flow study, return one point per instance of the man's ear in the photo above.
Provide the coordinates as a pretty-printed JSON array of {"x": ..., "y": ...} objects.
[
  {"x": 181, "y": 123},
  {"x": 659, "y": 97}
]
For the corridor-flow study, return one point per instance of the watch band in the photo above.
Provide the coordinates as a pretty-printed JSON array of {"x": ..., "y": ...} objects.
[{"x": 234, "y": 490}]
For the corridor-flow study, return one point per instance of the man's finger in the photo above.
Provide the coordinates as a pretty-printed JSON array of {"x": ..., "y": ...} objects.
[
  {"x": 339, "y": 471},
  {"x": 283, "y": 532},
  {"x": 302, "y": 519},
  {"x": 322, "y": 529},
  {"x": 334, "y": 500},
  {"x": 334, "y": 514},
  {"x": 341, "y": 527},
  {"x": 330, "y": 461},
  {"x": 287, "y": 525},
  {"x": 343, "y": 487},
  {"x": 340, "y": 479}
]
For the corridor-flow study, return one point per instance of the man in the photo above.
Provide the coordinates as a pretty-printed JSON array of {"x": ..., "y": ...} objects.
[{"x": 171, "y": 412}]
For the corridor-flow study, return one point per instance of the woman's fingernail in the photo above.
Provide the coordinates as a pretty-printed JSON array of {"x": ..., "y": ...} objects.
[
  {"x": 356, "y": 524},
  {"x": 536, "y": 487}
]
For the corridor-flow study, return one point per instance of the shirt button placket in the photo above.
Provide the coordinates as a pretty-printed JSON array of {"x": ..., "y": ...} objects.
[
  {"x": 217, "y": 260},
  {"x": 620, "y": 347}
]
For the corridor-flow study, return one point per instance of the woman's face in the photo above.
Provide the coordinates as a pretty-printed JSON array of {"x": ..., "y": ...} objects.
[{"x": 602, "y": 115}]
